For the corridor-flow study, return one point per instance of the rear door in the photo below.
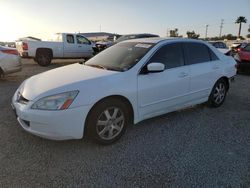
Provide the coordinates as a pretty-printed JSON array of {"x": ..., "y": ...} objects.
[
  {"x": 204, "y": 69},
  {"x": 165, "y": 91},
  {"x": 84, "y": 46}
]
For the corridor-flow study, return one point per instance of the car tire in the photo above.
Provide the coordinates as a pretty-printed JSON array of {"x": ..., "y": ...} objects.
[
  {"x": 218, "y": 94},
  {"x": 1, "y": 73},
  {"x": 107, "y": 121},
  {"x": 43, "y": 59}
]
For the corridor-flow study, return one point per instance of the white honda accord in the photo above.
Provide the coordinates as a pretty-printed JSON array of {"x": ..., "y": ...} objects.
[{"x": 125, "y": 84}]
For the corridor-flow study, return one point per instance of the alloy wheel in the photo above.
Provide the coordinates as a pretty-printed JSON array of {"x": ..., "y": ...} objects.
[
  {"x": 219, "y": 93},
  {"x": 110, "y": 123}
]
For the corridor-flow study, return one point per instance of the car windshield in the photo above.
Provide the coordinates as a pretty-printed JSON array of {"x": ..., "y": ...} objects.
[{"x": 121, "y": 56}]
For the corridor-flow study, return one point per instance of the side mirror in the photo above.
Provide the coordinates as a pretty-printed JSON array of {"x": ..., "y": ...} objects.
[{"x": 155, "y": 67}]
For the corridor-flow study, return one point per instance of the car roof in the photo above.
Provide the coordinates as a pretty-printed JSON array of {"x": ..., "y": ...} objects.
[
  {"x": 155, "y": 40},
  {"x": 215, "y": 41},
  {"x": 138, "y": 34}
]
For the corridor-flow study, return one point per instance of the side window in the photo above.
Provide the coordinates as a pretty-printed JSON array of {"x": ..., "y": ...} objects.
[
  {"x": 216, "y": 45},
  {"x": 171, "y": 55},
  {"x": 222, "y": 45},
  {"x": 82, "y": 40},
  {"x": 70, "y": 39},
  {"x": 213, "y": 57},
  {"x": 197, "y": 53}
]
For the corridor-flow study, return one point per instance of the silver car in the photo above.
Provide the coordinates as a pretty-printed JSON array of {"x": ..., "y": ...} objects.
[{"x": 9, "y": 61}]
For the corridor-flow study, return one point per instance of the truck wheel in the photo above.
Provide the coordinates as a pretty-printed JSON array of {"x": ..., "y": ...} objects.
[{"x": 43, "y": 59}]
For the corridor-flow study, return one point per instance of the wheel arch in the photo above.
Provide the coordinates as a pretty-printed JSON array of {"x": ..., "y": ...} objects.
[
  {"x": 119, "y": 97},
  {"x": 224, "y": 78},
  {"x": 44, "y": 50}
]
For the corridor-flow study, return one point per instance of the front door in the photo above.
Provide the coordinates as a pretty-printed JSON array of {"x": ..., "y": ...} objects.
[
  {"x": 84, "y": 46},
  {"x": 166, "y": 91}
]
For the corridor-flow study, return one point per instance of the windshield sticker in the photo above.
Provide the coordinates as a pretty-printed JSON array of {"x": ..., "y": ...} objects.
[{"x": 143, "y": 45}]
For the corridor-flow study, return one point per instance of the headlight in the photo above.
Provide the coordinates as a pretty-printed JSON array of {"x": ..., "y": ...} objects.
[{"x": 55, "y": 102}]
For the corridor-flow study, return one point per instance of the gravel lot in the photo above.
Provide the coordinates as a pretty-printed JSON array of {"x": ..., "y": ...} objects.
[{"x": 195, "y": 147}]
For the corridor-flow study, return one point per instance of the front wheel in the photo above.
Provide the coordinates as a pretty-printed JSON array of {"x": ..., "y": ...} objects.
[
  {"x": 107, "y": 122},
  {"x": 218, "y": 94}
]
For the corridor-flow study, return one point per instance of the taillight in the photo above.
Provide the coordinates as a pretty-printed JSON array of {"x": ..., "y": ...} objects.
[
  {"x": 13, "y": 52},
  {"x": 239, "y": 49},
  {"x": 25, "y": 46}
]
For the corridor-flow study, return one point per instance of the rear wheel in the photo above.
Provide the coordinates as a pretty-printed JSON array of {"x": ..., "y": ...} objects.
[
  {"x": 218, "y": 94},
  {"x": 107, "y": 121},
  {"x": 43, "y": 59}
]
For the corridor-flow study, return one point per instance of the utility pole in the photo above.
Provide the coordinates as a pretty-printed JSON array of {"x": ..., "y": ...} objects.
[
  {"x": 221, "y": 26},
  {"x": 100, "y": 28},
  {"x": 167, "y": 32},
  {"x": 206, "y": 31}
]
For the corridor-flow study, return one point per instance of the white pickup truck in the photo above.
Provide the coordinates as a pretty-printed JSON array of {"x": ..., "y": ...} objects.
[{"x": 64, "y": 45}]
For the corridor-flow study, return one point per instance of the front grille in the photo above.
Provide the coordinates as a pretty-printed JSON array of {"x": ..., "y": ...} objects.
[{"x": 21, "y": 99}]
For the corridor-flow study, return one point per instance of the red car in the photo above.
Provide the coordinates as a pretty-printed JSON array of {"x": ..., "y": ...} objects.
[{"x": 243, "y": 58}]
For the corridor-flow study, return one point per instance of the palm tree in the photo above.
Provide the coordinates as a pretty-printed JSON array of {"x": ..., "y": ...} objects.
[{"x": 240, "y": 20}]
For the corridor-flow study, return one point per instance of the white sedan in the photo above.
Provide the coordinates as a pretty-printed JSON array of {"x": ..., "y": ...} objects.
[
  {"x": 9, "y": 61},
  {"x": 125, "y": 84}
]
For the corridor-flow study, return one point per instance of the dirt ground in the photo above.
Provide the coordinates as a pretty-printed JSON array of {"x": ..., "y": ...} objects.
[{"x": 195, "y": 147}]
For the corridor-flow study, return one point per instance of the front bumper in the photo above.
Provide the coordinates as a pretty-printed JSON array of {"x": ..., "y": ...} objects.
[
  {"x": 11, "y": 64},
  {"x": 13, "y": 69},
  {"x": 54, "y": 125}
]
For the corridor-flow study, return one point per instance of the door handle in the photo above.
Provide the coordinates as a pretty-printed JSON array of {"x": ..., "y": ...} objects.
[{"x": 183, "y": 74}]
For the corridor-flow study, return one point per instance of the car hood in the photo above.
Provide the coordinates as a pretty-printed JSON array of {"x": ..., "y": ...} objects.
[{"x": 60, "y": 80}]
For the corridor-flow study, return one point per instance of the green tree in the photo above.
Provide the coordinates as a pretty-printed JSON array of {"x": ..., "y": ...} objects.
[
  {"x": 240, "y": 20},
  {"x": 174, "y": 33},
  {"x": 192, "y": 35}
]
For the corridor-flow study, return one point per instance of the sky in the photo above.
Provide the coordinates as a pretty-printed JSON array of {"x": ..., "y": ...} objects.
[{"x": 42, "y": 18}]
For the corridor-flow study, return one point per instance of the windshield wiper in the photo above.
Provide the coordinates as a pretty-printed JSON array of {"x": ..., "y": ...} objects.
[
  {"x": 97, "y": 66},
  {"x": 114, "y": 69}
]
